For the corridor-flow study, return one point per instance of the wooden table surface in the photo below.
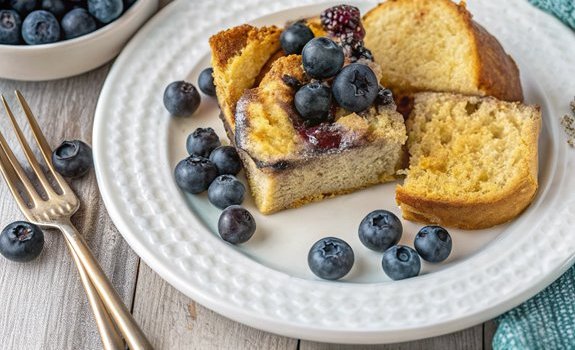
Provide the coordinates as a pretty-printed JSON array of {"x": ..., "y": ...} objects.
[{"x": 42, "y": 303}]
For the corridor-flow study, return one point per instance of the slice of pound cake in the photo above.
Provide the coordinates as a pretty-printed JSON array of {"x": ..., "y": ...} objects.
[
  {"x": 473, "y": 160},
  {"x": 434, "y": 45},
  {"x": 289, "y": 164}
]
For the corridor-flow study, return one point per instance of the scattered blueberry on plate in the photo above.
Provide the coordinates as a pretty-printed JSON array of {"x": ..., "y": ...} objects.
[
  {"x": 227, "y": 160},
  {"x": 433, "y": 243},
  {"x": 380, "y": 230},
  {"x": 181, "y": 98},
  {"x": 330, "y": 258},
  {"x": 322, "y": 58},
  {"x": 226, "y": 190},
  {"x": 294, "y": 38},
  {"x": 236, "y": 225},
  {"x": 313, "y": 101},
  {"x": 195, "y": 174},
  {"x": 21, "y": 241},
  {"x": 202, "y": 142},
  {"x": 355, "y": 87},
  {"x": 72, "y": 158},
  {"x": 401, "y": 262},
  {"x": 206, "y": 82}
]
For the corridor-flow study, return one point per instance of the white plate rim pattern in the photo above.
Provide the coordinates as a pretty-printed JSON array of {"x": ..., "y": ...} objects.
[{"x": 136, "y": 184}]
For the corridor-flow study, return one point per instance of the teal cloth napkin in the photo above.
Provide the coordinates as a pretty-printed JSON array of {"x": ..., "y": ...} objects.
[{"x": 546, "y": 321}]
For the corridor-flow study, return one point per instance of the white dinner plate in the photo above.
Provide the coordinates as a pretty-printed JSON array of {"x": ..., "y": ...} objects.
[{"x": 266, "y": 283}]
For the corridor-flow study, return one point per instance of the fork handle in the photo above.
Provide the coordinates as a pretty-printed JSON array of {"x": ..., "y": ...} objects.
[
  {"x": 124, "y": 321},
  {"x": 111, "y": 340}
]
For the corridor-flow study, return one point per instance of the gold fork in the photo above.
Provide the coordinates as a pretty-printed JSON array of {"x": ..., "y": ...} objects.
[{"x": 55, "y": 212}]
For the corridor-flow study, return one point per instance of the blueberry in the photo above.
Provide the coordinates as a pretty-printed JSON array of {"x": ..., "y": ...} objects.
[
  {"x": 206, "y": 82},
  {"x": 313, "y": 101},
  {"x": 195, "y": 174},
  {"x": 202, "y": 142},
  {"x": 72, "y": 158},
  {"x": 40, "y": 27},
  {"x": 21, "y": 241},
  {"x": 105, "y": 11},
  {"x": 78, "y": 22},
  {"x": 128, "y": 3},
  {"x": 330, "y": 258},
  {"x": 355, "y": 87},
  {"x": 400, "y": 262},
  {"x": 226, "y": 190},
  {"x": 57, "y": 7},
  {"x": 322, "y": 58},
  {"x": 181, "y": 98},
  {"x": 379, "y": 230},
  {"x": 10, "y": 27},
  {"x": 227, "y": 160},
  {"x": 433, "y": 243},
  {"x": 236, "y": 225},
  {"x": 294, "y": 38},
  {"x": 23, "y": 6}
]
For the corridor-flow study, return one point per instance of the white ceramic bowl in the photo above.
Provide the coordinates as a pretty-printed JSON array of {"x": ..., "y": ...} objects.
[{"x": 76, "y": 56}]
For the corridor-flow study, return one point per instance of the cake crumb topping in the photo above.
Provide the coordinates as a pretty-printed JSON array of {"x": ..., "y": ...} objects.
[{"x": 568, "y": 124}]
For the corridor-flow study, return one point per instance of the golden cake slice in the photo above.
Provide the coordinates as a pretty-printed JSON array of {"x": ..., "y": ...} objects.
[
  {"x": 238, "y": 56},
  {"x": 288, "y": 164},
  {"x": 434, "y": 45},
  {"x": 473, "y": 161}
]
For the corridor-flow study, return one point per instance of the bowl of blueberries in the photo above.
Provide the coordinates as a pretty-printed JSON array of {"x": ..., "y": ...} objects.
[{"x": 53, "y": 39}]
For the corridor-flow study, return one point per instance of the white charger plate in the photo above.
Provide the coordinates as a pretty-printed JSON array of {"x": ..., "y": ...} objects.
[{"x": 266, "y": 283}]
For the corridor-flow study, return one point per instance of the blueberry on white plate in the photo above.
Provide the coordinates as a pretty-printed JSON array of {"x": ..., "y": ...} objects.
[
  {"x": 195, "y": 174},
  {"x": 206, "y": 82},
  {"x": 330, "y": 258},
  {"x": 181, "y": 98},
  {"x": 226, "y": 190},
  {"x": 400, "y": 262},
  {"x": 202, "y": 141},
  {"x": 433, "y": 243},
  {"x": 227, "y": 160},
  {"x": 380, "y": 230},
  {"x": 21, "y": 241},
  {"x": 236, "y": 225}
]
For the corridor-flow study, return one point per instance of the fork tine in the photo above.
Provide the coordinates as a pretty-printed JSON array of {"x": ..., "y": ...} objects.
[
  {"x": 11, "y": 179},
  {"x": 11, "y": 168},
  {"x": 28, "y": 152},
  {"x": 41, "y": 141}
]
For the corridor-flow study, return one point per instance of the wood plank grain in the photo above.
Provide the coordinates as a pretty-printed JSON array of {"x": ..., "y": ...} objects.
[
  {"x": 42, "y": 303},
  {"x": 468, "y": 339},
  {"x": 173, "y": 321},
  {"x": 489, "y": 329}
]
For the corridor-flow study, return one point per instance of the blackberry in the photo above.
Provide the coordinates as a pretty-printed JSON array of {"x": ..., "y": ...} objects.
[
  {"x": 343, "y": 21},
  {"x": 361, "y": 52},
  {"x": 292, "y": 82},
  {"x": 384, "y": 96}
]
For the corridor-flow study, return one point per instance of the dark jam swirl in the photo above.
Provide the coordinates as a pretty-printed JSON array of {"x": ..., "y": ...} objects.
[{"x": 325, "y": 136}]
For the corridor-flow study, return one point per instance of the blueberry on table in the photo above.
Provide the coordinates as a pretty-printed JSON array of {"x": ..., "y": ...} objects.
[
  {"x": 313, "y": 101},
  {"x": 433, "y": 243},
  {"x": 206, "y": 82},
  {"x": 294, "y": 38},
  {"x": 400, "y": 262},
  {"x": 57, "y": 7},
  {"x": 322, "y": 58},
  {"x": 195, "y": 174},
  {"x": 23, "y": 6},
  {"x": 226, "y": 190},
  {"x": 40, "y": 27},
  {"x": 10, "y": 27},
  {"x": 202, "y": 142},
  {"x": 106, "y": 11},
  {"x": 355, "y": 87},
  {"x": 181, "y": 98},
  {"x": 380, "y": 230},
  {"x": 72, "y": 158},
  {"x": 227, "y": 160},
  {"x": 21, "y": 241},
  {"x": 330, "y": 258},
  {"x": 236, "y": 225},
  {"x": 78, "y": 22}
]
